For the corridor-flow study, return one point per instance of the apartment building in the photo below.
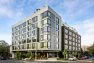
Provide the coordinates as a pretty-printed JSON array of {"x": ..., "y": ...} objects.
[
  {"x": 43, "y": 33},
  {"x": 40, "y": 32},
  {"x": 71, "y": 40},
  {"x": 3, "y": 43}
]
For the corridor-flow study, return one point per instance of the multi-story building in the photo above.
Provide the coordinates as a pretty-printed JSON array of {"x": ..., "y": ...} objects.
[
  {"x": 40, "y": 33},
  {"x": 71, "y": 40},
  {"x": 2, "y": 42}
]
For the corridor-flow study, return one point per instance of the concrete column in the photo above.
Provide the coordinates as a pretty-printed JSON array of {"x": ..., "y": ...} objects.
[
  {"x": 12, "y": 54},
  {"x": 47, "y": 55}
]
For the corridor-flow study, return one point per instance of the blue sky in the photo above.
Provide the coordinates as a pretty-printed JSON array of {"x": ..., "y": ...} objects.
[{"x": 77, "y": 13}]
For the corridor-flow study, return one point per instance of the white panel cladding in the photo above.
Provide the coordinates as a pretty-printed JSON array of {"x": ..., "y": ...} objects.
[{"x": 55, "y": 43}]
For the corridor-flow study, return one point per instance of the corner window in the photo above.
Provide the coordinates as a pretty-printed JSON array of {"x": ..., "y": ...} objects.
[
  {"x": 34, "y": 19},
  {"x": 44, "y": 14}
]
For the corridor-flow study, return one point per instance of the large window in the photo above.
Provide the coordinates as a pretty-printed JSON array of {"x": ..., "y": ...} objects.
[
  {"x": 49, "y": 14},
  {"x": 34, "y": 19},
  {"x": 44, "y": 14}
]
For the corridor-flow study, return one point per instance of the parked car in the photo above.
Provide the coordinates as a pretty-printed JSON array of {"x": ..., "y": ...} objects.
[
  {"x": 1, "y": 57},
  {"x": 72, "y": 58},
  {"x": 83, "y": 57}
]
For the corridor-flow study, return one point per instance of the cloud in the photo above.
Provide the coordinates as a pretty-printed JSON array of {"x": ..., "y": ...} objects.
[
  {"x": 7, "y": 10},
  {"x": 86, "y": 28},
  {"x": 74, "y": 8},
  {"x": 5, "y": 2}
]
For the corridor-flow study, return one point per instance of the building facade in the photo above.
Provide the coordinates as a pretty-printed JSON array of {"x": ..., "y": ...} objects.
[
  {"x": 3, "y": 43},
  {"x": 40, "y": 33},
  {"x": 71, "y": 40}
]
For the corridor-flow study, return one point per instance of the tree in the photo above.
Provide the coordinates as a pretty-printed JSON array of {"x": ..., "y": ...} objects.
[
  {"x": 91, "y": 49},
  {"x": 30, "y": 55},
  {"x": 74, "y": 53},
  {"x": 4, "y": 51},
  {"x": 65, "y": 54},
  {"x": 18, "y": 55}
]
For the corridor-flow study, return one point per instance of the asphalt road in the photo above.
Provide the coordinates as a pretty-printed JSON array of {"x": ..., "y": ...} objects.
[{"x": 17, "y": 61}]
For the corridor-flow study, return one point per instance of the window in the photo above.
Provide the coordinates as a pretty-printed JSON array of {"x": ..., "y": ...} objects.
[
  {"x": 74, "y": 43},
  {"x": 42, "y": 22},
  {"x": 73, "y": 48},
  {"x": 33, "y": 45},
  {"x": 66, "y": 46},
  {"x": 33, "y": 32},
  {"x": 24, "y": 24},
  {"x": 42, "y": 37},
  {"x": 66, "y": 41},
  {"x": 70, "y": 37},
  {"x": 33, "y": 39},
  {"x": 49, "y": 21},
  {"x": 45, "y": 29},
  {"x": 73, "y": 35},
  {"x": 66, "y": 31},
  {"x": 28, "y": 46},
  {"x": 57, "y": 39},
  {"x": 23, "y": 30},
  {"x": 73, "y": 39},
  {"x": 42, "y": 30},
  {"x": 66, "y": 36},
  {"x": 70, "y": 33},
  {"x": 48, "y": 29},
  {"x": 48, "y": 37},
  {"x": 57, "y": 46},
  {"x": 70, "y": 48},
  {"x": 34, "y": 19},
  {"x": 49, "y": 13},
  {"x": 57, "y": 20},
  {"x": 28, "y": 40},
  {"x": 44, "y": 14},
  {"x": 42, "y": 44},
  {"x": 33, "y": 26},
  {"x": 57, "y": 27},
  {"x": 70, "y": 43},
  {"x": 49, "y": 44}
]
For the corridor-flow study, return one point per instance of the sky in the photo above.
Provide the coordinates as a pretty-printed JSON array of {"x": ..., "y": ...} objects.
[{"x": 76, "y": 13}]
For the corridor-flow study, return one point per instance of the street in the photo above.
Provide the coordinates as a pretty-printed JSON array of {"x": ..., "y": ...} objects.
[{"x": 20, "y": 61}]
